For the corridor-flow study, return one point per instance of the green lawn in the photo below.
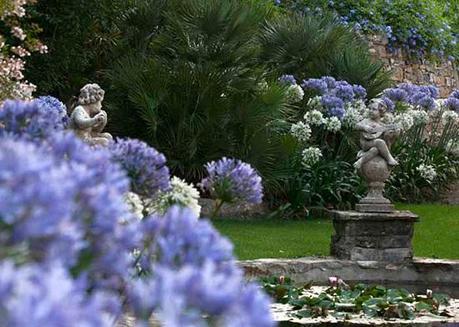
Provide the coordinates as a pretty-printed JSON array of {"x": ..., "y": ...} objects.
[{"x": 436, "y": 235}]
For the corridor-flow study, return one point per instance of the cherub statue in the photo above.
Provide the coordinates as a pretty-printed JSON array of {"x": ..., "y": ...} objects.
[
  {"x": 88, "y": 119},
  {"x": 374, "y": 159},
  {"x": 376, "y": 137}
]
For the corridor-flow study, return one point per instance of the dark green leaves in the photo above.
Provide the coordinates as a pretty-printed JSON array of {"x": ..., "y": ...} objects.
[{"x": 343, "y": 302}]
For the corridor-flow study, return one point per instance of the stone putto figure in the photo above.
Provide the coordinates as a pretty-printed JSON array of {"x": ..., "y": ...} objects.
[
  {"x": 376, "y": 137},
  {"x": 88, "y": 119},
  {"x": 374, "y": 159}
]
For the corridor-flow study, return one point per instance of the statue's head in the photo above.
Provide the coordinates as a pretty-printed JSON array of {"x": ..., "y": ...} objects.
[
  {"x": 90, "y": 94},
  {"x": 377, "y": 108}
]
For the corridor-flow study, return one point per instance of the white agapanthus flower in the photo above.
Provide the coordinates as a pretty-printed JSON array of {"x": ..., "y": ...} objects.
[
  {"x": 301, "y": 131},
  {"x": 311, "y": 156},
  {"x": 181, "y": 193},
  {"x": 315, "y": 103},
  {"x": 420, "y": 117},
  {"x": 354, "y": 114},
  {"x": 404, "y": 120},
  {"x": 449, "y": 116},
  {"x": 427, "y": 172},
  {"x": 295, "y": 93},
  {"x": 314, "y": 117},
  {"x": 332, "y": 124},
  {"x": 134, "y": 203}
]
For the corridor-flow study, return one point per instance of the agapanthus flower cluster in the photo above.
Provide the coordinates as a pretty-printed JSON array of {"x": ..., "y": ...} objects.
[
  {"x": 334, "y": 97},
  {"x": 37, "y": 295},
  {"x": 62, "y": 198},
  {"x": 301, "y": 131},
  {"x": 449, "y": 116},
  {"x": 452, "y": 103},
  {"x": 180, "y": 193},
  {"x": 294, "y": 91},
  {"x": 314, "y": 118},
  {"x": 66, "y": 227},
  {"x": 418, "y": 97},
  {"x": 33, "y": 120},
  {"x": 194, "y": 279},
  {"x": 145, "y": 166},
  {"x": 231, "y": 180},
  {"x": 311, "y": 156},
  {"x": 427, "y": 172},
  {"x": 53, "y": 104}
]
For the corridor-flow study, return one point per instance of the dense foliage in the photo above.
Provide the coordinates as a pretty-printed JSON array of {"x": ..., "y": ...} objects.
[
  {"x": 422, "y": 28},
  {"x": 206, "y": 82},
  {"x": 80, "y": 36}
]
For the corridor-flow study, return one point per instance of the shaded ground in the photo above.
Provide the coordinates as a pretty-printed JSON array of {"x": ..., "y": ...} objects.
[{"x": 436, "y": 235}]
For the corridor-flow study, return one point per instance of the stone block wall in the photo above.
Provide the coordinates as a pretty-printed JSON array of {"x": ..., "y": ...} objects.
[{"x": 444, "y": 75}]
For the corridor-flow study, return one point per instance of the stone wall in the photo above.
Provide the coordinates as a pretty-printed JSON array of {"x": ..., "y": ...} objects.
[{"x": 442, "y": 74}]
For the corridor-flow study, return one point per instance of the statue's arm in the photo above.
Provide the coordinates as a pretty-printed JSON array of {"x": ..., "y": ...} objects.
[{"x": 80, "y": 118}]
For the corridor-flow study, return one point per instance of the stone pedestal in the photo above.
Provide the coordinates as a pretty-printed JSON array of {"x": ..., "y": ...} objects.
[{"x": 373, "y": 236}]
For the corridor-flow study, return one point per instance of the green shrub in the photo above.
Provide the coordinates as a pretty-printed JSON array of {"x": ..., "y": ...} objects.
[
  {"x": 198, "y": 92},
  {"x": 314, "y": 46}
]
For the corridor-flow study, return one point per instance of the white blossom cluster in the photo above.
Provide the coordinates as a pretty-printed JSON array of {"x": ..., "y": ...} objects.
[
  {"x": 355, "y": 112},
  {"x": 301, "y": 131},
  {"x": 314, "y": 118},
  {"x": 315, "y": 104},
  {"x": 332, "y": 124},
  {"x": 295, "y": 93},
  {"x": 135, "y": 204},
  {"x": 311, "y": 156},
  {"x": 449, "y": 116},
  {"x": 181, "y": 193},
  {"x": 420, "y": 117},
  {"x": 427, "y": 172},
  {"x": 404, "y": 120}
]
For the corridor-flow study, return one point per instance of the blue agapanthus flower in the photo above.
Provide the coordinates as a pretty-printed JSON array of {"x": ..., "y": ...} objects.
[
  {"x": 344, "y": 91},
  {"x": 390, "y": 105},
  {"x": 34, "y": 295},
  {"x": 232, "y": 180},
  {"x": 337, "y": 112},
  {"x": 29, "y": 119},
  {"x": 287, "y": 79},
  {"x": 452, "y": 102},
  {"x": 396, "y": 94},
  {"x": 314, "y": 84},
  {"x": 359, "y": 91},
  {"x": 180, "y": 238},
  {"x": 145, "y": 166},
  {"x": 63, "y": 199},
  {"x": 420, "y": 96},
  {"x": 192, "y": 296},
  {"x": 52, "y": 103},
  {"x": 331, "y": 101}
]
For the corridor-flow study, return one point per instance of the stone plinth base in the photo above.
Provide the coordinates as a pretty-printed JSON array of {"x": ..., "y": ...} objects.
[{"x": 365, "y": 236}]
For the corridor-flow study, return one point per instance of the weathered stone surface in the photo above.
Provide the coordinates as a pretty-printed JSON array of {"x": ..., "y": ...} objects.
[
  {"x": 373, "y": 236},
  {"x": 443, "y": 74},
  {"x": 417, "y": 275}
]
